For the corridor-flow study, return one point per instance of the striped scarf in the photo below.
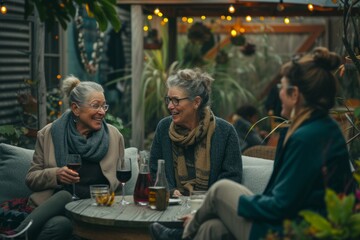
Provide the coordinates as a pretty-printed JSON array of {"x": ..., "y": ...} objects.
[{"x": 201, "y": 137}]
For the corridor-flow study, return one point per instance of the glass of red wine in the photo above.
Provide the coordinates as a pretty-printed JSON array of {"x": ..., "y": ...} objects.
[
  {"x": 73, "y": 162},
  {"x": 123, "y": 174}
]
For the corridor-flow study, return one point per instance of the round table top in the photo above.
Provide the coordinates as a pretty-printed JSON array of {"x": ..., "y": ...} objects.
[{"x": 130, "y": 216}]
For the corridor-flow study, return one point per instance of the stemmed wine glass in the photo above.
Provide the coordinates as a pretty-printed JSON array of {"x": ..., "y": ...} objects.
[
  {"x": 73, "y": 162},
  {"x": 123, "y": 174}
]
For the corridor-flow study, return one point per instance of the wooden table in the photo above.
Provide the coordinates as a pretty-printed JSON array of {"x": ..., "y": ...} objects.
[{"x": 120, "y": 222}]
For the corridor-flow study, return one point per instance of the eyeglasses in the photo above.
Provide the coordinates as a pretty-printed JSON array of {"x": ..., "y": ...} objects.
[
  {"x": 280, "y": 86},
  {"x": 175, "y": 101},
  {"x": 96, "y": 106}
]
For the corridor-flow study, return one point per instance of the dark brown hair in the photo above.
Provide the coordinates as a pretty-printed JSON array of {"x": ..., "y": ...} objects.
[{"x": 312, "y": 74}]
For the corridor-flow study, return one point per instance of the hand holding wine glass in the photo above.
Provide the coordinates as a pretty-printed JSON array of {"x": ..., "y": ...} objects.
[
  {"x": 73, "y": 162},
  {"x": 123, "y": 174}
]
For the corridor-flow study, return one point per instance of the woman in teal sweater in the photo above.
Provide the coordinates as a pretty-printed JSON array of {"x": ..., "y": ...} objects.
[
  {"x": 198, "y": 147},
  {"x": 311, "y": 156}
]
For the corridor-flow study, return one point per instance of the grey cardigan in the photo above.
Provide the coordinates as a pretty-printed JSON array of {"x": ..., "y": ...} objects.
[{"x": 225, "y": 160}]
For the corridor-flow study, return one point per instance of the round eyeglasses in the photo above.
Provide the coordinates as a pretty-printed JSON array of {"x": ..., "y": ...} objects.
[
  {"x": 175, "y": 101},
  {"x": 96, "y": 106}
]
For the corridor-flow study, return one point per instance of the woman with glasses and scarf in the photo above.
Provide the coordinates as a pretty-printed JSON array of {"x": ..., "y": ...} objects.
[
  {"x": 311, "y": 156},
  {"x": 198, "y": 147},
  {"x": 82, "y": 131}
]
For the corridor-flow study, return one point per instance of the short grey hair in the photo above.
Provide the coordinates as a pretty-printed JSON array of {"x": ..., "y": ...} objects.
[
  {"x": 194, "y": 82},
  {"x": 77, "y": 91}
]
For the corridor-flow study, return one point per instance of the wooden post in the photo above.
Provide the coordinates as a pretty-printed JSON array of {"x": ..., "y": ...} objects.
[
  {"x": 39, "y": 75},
  {"x": 137, "y": 59}
]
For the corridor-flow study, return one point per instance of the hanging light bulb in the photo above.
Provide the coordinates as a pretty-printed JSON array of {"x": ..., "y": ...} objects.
[
  {"x": 156, "y": 11},
  {"x": 310, "y": 7},
  {"x": 233, "y": 33},
  {"x": 231, "y": 9},
  {"x": 3, "y": 8},
  {"x": 280, "y": 7},
  {"x": 248, "y": 18},
  {"x": 286, "y": 20}
]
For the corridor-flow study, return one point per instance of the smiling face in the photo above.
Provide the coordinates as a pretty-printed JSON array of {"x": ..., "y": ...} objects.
[
  {"x": 185, "y": 114},
  {"x": 288, "y": 96},
  {"x": 89, "y": 119}
]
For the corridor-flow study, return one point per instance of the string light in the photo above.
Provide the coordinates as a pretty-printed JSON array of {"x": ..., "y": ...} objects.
[
  {"x": 184, "y": 19},
  {"x": 3, "y": 8},
  {"x": 190, "y": 20},
  {"x": 231, "y": 9},
  {"x": 165, "y": 20},
  {"x": 203, "y": 17},
  {"x": 233, "y": 33},
  {"x": 286, "y": 20},
  {"x": 228, "y": 18},
  {"x": 248, "y": 18},
  {"x": 149, "y": 17},
  {"x": 310, "y": 7},
  {"x": 156, "y": 11},
  {"x": 146, "y": 28}
]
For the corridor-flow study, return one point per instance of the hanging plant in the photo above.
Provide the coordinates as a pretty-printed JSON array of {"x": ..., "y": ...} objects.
[
  {"x": 91, "y": 64},
  {"x": 238, "y": 40}
]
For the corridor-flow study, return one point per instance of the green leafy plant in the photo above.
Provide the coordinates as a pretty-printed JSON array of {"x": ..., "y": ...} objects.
[{"x": 103, "y": 11}]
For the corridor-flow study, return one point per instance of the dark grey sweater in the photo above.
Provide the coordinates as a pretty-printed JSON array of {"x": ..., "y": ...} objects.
[{"x": 225, "y": 160}]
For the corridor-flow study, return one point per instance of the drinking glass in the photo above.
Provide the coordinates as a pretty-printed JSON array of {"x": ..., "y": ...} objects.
[
  {"x": 73, "y": 162},
  {"x": 123, "y": 174}
]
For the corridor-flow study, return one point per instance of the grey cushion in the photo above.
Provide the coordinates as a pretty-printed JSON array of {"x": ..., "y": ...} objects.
[
  {"x": 256, "y": 173},
  {"x": 14, "y": 164}
]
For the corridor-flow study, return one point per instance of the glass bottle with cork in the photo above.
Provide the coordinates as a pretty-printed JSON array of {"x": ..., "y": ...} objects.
[{"x": 159, "y": 194}]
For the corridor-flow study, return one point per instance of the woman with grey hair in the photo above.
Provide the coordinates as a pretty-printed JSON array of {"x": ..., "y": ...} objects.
[
  {"x": 198, "y": 147},
  {"x": 81, "y": 130}
]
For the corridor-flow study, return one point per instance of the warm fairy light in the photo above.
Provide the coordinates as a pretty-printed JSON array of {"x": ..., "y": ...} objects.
[
  {"x": 203, "y": 17},
  {"x": 160, "y": 14},
  {"x": 190, "y": 20},
  {"x": 184, "y": 19},
  {"x": 3, "y": 9},
  {"x": 248, "y": 18},
  {"x": 310, "y": 7},
  {"x": 146, "y": 28},
  {"x": 162, "y": 23},
  {"x": 223, "y": 17},
  {"x": 228, "y": 18},
  {"x": 156, "y": 11},
  {"x": 286, "y": 20},
  {"x": 242, "y": 30},
  {"x": 262, "y": 18},
  {"x": 149, "y": 17},
  {"x": 166, "y": 20},
  {"x": 58, "y": 76},
  {"x": 231, "y": 9},
  {"x": 233, "y": 33}
]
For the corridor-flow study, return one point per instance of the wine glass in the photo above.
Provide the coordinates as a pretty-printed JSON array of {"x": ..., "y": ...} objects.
[
  {"x": 123, "y": 174},
  {"x": 73, "y": 162}
]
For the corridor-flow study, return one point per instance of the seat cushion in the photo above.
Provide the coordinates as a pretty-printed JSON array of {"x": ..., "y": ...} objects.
[
  {"x": 256, "y": 173},
  {"x": 14, "y": 165}
]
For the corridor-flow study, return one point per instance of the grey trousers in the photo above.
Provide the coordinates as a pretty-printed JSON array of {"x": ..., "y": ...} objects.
[
  {"x": 217, "y": 218},
  {"x": 49, "y": 221}
]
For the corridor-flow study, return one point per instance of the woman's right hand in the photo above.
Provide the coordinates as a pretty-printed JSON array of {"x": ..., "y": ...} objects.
[
  {"x": 65, "y": 175},
  {"x": 176, "y": 193}
]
